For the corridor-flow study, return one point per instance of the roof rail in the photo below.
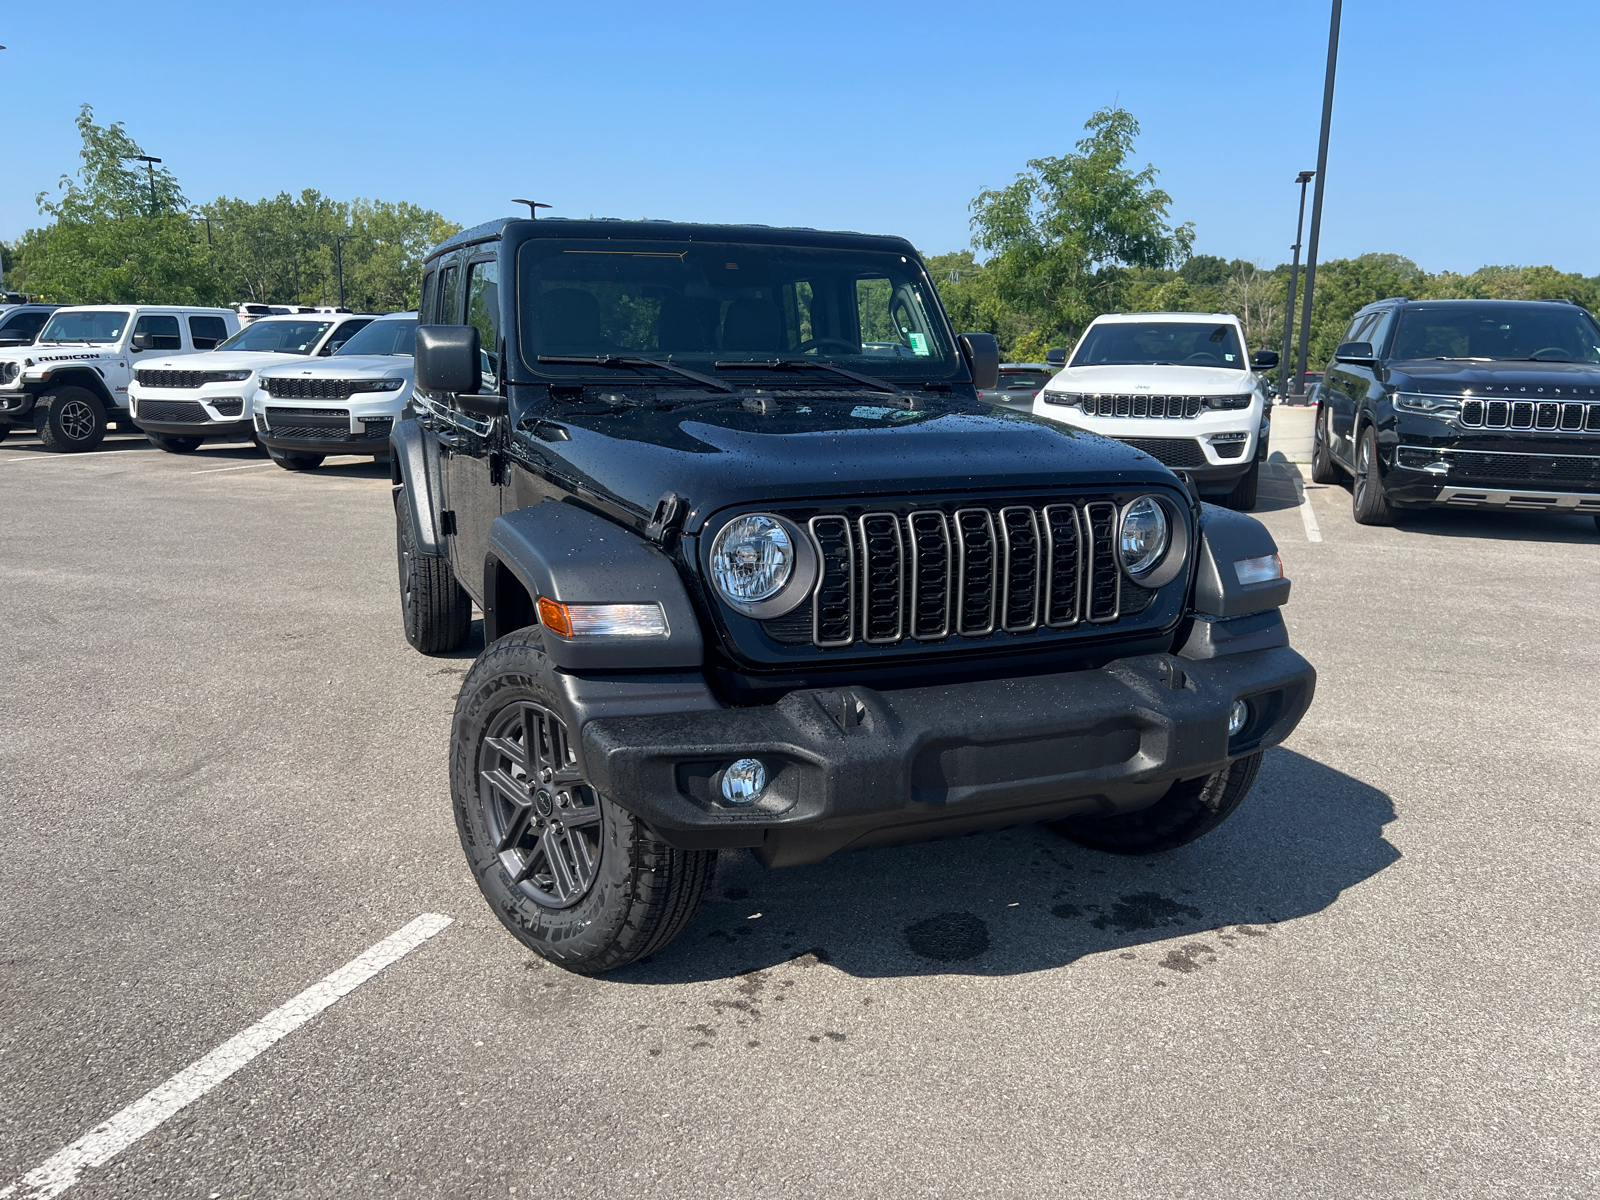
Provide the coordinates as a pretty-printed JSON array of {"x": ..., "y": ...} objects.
[{"x": 1386, "y": 299}]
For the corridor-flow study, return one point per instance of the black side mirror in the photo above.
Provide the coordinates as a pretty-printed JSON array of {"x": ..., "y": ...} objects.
[
  {"x": 982, "y": 353},
  {"x": 447, "y": 359},
  {"x": 1056, "y": 357},
  {"x": 1262, "y": 359},
  {"x": 1359, "y": 353},
  {"x": 144, "y": 341}
]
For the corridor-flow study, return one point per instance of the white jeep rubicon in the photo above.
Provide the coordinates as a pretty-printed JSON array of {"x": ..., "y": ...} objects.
[
  {"x": 346, "y": 405},
  {"x": 1178, "y": 386},
  {"x": 73, "y": 381},
  {"x": 179, "y": 403}
]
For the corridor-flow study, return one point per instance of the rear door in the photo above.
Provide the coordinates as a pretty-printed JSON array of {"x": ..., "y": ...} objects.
[{"x": 1344, "y": 386}]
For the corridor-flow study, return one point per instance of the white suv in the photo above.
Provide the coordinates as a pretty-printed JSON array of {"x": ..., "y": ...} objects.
[
  {"x": 1178, "y": 386},
  {"x": 179, "y": 403},
  {"x": 74, "y": 380},
  {"x": 346, "y": 405}
]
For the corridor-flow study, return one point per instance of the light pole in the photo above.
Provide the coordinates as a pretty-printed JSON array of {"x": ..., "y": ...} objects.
[
  {"x": 338, "y": 256},
  {"x": 533, "y": 208},
  {"x": 150, "y": 165},
  {"x": 1294, "y": 281},
  {"x": 1316, "y": 197}
]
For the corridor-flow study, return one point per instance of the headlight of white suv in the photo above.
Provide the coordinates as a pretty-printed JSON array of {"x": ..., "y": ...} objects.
[
  {"x": 762, "y": 565},
  {"x": 388, "y": 384}
]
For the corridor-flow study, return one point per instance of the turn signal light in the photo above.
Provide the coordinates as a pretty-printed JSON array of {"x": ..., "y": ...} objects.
[
  {"x": 1261, "y": 569},
  {"x": 602, "y": 620}
]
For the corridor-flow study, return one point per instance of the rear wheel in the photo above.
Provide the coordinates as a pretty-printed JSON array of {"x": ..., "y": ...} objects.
[
  {"x": 1191, "y": 809},
  {"x": 435, "y": 608},
  {"x": 1243, "y": 496},
  {"x": 1322, "y": 466},
  {"x": 174, "y": 443},
  {"x": 70, "y": 419},
  {"x": 574, "y": 877},
  {"x": 291, "y": 461},
  {"x": 1367, "y": 502}
]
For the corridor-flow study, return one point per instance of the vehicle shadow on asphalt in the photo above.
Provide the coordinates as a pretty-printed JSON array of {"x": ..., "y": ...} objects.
[
  {"x": 1025, "y": 899},
  {"x": 1501, "y": 526}
]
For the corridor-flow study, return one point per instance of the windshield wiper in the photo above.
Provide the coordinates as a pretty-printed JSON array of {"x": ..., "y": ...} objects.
[
  {"x": 804, "y": 364},
  {"x": 627, "y": 361}
]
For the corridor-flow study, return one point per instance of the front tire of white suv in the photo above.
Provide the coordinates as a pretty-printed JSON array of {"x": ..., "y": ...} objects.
[{"x": 1243, "y": 496}]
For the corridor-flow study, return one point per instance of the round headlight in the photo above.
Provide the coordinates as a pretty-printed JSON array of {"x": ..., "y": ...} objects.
[
  {"x": 752, "y": 558},
  {"x": 1144, "y": 536}
]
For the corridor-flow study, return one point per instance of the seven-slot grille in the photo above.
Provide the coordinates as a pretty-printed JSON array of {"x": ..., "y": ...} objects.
[
  {"x": 1140, "y": 405},
  {"x": 927, "y": 574},
  {"x": 1557, "y": 416},
  {"x": 178, "y": 379},
  {"x": 307, "y": 389}
]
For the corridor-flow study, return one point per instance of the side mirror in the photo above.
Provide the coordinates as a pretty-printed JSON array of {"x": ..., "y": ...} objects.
[
  {"x": 1056, "y": 358},
  {"x": 1359, "y": 353},
  {"x": 144, "y": 341},
  {"x": 447, "y": 359},
  {"x": 1262, "y": 359},
  {"x": 982, "y": 353}
]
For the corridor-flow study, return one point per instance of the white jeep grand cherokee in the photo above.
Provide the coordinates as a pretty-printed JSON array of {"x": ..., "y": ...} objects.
[
  {"x": 181, "y": 402},
  {"x": 1177, "y": 386},
  {"x": 345, "y": 405}
]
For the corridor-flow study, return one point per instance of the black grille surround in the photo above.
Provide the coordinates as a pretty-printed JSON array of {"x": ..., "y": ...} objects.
[
  {"x": 910, "y": 578},
  {"x": 1580, "y": 471},
  {"x": 1547, "y": 416},
  {"x": 1141, "y": 404},
  {"x": 175, "y": 412},
  {"x": 290, "y": 388},
  {"x": 181, "y": 379}
]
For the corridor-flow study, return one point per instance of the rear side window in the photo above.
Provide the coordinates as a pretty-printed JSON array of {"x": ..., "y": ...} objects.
[
  {"x": 207, "y": 332},
  {"x": 344, "y": 333},
  {"x": 163, "y": 331},
  {"x": 483, "y": 313},
  {"x": 24, "y": 325},
  {"x": 449, "y": 296},
  {"x": 425, "y": 308}
]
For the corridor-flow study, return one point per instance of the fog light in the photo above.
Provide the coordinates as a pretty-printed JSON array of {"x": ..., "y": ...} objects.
[
  {"x": 744, "y": 781},
  {"x": 1238, "y": 715}
]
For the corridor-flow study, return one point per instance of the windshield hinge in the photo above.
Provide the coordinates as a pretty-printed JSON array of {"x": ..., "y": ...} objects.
[{"x": 668, "y": 516}]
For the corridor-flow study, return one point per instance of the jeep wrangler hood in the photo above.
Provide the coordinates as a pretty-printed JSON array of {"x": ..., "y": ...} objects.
[{"x": 714, "y": 457}]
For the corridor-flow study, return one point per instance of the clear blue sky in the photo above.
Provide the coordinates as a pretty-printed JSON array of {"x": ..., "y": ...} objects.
[{"x": 1461, "y": 131}]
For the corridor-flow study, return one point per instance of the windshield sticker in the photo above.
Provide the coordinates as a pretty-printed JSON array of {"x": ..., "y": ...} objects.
[
  {"x": 1229, "y": 357},
  {"x": 919, "y": 345},
  {"x": 868, "y": 413}
]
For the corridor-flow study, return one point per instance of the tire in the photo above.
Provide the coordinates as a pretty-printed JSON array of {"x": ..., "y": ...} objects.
[
  {"x": 296, "y": 462},
  {"x": 5, "y": 432},
  {"x": 70, "y": 420},
  {"x": 435, "y": 608},
  {"x": 1243, "y": 496},
  {"x": 1191, "y": 809},
  {"x": 577, "y": 879},
  {"x": 1323, "y": 469},
  {"x": 1367, "y": 502},
  {"x": 174, "y": 443}
]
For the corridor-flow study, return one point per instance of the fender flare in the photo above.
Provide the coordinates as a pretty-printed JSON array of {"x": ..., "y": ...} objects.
[
  {"x": 576, "y": 556},
  {"x": 414, "y": 472},
  {"x": 1225, "y": 538},
  {"x": 84, "y": 377}
]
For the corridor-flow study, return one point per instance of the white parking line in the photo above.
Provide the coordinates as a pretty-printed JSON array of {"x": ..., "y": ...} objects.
[
  {"x": 245, "y": 467},
  {"x": 105, "y": 1141},
  {"x": 1313, "y": 530},
  {"x": 47, "y": 456}
]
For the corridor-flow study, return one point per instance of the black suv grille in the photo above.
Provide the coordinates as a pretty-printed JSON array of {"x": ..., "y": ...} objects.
[
  {"x": 1550, "y": 415},
  {"x": 322, "y": 425},
  {"x": 178, "y": 379},
  {"x": 1582, "y": 470},
  {"x": 307, "y": 389},
  {"x": 1171, "y": 452},
  {"x": 925, "y": 574}
]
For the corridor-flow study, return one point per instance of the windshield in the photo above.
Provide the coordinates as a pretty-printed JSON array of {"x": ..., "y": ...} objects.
[
  {"x": 1161, "y": 343},
  {"x": 278, "y": 337},
  {"x": 1513, "y": 331},
  {"x": 85, "y": 327},
  {"x": 698, "y": 303},
  {"x": 382, "y": 337},
  {"x": 1024, "y": 381}
]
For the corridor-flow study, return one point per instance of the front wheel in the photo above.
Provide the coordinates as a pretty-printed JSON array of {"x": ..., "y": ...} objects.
[
  {"x": 5, "y": 432},
  {"x": 1368, "y": 504},
  {"x": 1322, "y": 468},
  {"x": 1191, "y": 809},
  {"x": 173, "y": 443},
  {"x": 1243, "y": 496},
  {"x": 70, "y": 419},
  {"x": 575, "y": 878},
  {"x": 290, "y": 461}
]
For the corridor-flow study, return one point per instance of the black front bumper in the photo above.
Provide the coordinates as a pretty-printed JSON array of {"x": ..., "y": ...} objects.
[
  {"x": 855, "y": 767},
  {"x": 1424, "y": 460}
]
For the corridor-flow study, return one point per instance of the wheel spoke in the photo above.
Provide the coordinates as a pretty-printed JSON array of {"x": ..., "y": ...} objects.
[
  {"x": 579, "y": 818},
  {"x": 566, "y": 884}
]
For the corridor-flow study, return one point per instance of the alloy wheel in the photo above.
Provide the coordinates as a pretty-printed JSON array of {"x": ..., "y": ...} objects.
[
  {"x": 77, "y": 420},
  {"x": 544, "y": 817},
  {"x": 1363, "y": 469}
]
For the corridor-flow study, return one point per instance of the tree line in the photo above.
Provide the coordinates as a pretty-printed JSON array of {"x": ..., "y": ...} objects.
[{"x": 1070, "y": 238}]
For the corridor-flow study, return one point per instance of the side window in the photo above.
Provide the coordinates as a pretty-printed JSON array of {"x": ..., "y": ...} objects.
[
  {"x": 343, "y": 334},
  {"x": 25, "y": 325},
  {"x": 483, "y": 312},
  {"x": 1351, "y": 334},
  {"x": 449, "y": 297},
  {"x": 425, "y": 306},
  {"x": 163, "y": 331},
  {"x": 207, "y": 332},
  {"x": 1378, "y": 332}
]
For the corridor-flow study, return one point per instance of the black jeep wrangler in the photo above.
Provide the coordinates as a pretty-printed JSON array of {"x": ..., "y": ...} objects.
[{"x": 747, "y": 580}]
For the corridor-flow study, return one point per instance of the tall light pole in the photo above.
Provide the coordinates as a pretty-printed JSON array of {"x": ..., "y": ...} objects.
[
  {"x": 1316, "y": 197},
  {"x": 150, "y": 165},
  {"x": 1294, "y": 282},
  {"x": 338, "y": 255}
]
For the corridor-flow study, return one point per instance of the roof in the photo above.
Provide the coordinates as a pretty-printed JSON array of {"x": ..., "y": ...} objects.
[
  {"x": 654, "y": 230},
  {"x": 1166, "y": 316}
]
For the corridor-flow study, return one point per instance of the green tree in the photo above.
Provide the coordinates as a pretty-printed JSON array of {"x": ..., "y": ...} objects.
[{"x": 1060, "y": 238}]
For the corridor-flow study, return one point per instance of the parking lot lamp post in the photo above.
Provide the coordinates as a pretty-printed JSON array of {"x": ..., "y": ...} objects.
[
  {"x": 1294, "y": 281},
  {"x": 1316, "y": 198},
  {"x": 339, "y": 240}
]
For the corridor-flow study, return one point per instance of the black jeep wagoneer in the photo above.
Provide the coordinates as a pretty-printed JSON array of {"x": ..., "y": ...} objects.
[{"x": 747, "y": 580}]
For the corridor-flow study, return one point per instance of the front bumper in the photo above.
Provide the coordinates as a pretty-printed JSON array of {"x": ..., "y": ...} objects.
[
  {"x": 1425, "y": 460},
  {"x": 16, "y": 407},
  {"x": 1216, "y": 449},
  {"x": 213, "y": 411},
  {"x": 335, "y": 427},
  {"x": 855, "y": 767}
]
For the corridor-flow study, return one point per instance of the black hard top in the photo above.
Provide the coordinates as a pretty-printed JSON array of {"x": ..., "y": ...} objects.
[{"x": 521, "y": 229}]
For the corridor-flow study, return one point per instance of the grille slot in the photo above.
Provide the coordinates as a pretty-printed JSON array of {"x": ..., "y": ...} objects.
[
  {"x": 834, "y": 601},
  {"x": 930, "y": 575},
  {"x": 1065, "y": 566},
  {"x": 1104, "y": 574},
  {"x": 882, "y": 570},
  {"x": 976, "y": 575},
  {"x": 1020, "y": 575}
]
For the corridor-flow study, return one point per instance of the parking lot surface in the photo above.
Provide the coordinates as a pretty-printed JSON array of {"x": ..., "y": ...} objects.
[{"x": 224, "y": 778}]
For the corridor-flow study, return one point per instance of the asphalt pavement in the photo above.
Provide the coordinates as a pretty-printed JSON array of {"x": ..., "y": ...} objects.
[{"x": 223, "y": 778}]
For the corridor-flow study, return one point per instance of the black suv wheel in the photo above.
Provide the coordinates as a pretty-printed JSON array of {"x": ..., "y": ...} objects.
[
  {"x": 435, "y": 608},
  {"x": 1367, "y": 502},
  {"x": 1191, "y": 809},
  {"x": 1323, "y": 469},
  {"x": 70, "y": 419},
  {"x": 574, "y": 877}
]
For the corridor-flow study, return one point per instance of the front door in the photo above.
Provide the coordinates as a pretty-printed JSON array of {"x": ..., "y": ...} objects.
[{"x": 473, "y": 446}]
